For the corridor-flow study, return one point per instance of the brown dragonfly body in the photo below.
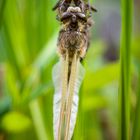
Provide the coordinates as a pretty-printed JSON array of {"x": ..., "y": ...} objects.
[
  {"x": 73, "y": 43},
  {"x": 76, "y": 21}
]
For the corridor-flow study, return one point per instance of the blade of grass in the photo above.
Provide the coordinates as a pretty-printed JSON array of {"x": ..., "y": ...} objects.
[
  {"x": 21, "y": 42},
  {"x": 13, "y": 22},
  {"x": 43, "y": 59},
  {"x": 2, "y": 5},
  {"x": 136, "y": 128},
  {"x": 38, "y": 120},
  {"x": 124, "y": 101}
]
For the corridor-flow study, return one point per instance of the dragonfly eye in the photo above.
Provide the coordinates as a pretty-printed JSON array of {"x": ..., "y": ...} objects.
[
  {"x": 81, "y": 16},
  {"x": 66, "y": 15}
]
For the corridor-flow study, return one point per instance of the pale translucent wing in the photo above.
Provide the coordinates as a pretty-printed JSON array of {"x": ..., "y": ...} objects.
[
  {"x": 79, "y": 77},
  {"x": 74, "y": 109},
  {"x": 57, "y": 78}
]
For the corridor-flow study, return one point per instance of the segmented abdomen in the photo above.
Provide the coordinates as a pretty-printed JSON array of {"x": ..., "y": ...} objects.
[{"x": 72, "y": 41}]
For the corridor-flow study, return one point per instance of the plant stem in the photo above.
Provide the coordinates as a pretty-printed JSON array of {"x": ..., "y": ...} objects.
[
  {"x": 38, "y": 120},
  {"x": 124, "y": 109},
  {"x": 136, "y": 128}
]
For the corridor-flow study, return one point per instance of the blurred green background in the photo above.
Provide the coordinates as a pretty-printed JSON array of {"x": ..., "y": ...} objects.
[{"x": 28, "y": 37}]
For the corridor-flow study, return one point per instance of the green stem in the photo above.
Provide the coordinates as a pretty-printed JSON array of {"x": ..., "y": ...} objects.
[
  {"x": 136, "y": 128},
  {"x": 38, "y": 120},
  {"x": 124, "y": 101}
]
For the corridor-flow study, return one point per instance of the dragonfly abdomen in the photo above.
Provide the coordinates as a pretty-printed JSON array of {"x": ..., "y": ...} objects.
[{"x": 72, "y": 42}]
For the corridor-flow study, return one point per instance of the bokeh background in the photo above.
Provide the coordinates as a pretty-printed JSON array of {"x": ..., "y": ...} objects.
[{"x": 28, "y": 36}]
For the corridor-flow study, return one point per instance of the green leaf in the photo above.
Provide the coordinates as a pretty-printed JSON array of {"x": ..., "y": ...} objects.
[
  {"x": 102, "y": 77},
  {"x": 38, "y": 120},
  {"x": 2, "y": 5},
  {"x": 38, "y": 91},
  {"x": 5, "y": 104},
  {"x": 125, "y": 71},
  {"x": 94, "y": 102},
  {"x": 15, "y": 122}
]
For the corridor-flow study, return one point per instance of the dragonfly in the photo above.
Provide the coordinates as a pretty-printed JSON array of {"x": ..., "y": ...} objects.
[{"x": 68, "y": 73}]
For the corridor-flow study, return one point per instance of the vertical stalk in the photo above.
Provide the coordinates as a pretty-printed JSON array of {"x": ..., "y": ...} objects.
[
  {"x": 38, "y": 120},
  {"x": 136, "y": 127},
  {"x": 124, "y": 109}
]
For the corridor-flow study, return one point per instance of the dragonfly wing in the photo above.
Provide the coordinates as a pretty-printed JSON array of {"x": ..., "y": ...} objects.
[
  {"x": 57, "y": 80},
  {"x": 79, "y": 77},
  {"x": 74, "y": 109},
  {"x": 56, "y": 74}
]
